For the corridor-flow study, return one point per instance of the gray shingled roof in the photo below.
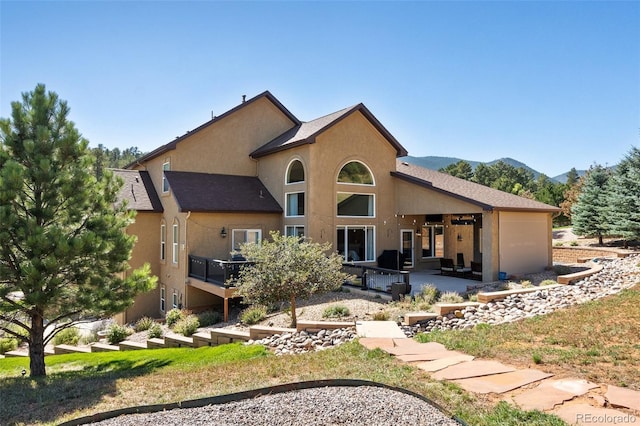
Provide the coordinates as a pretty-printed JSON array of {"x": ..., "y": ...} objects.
[
  {"x": 138, "y": 191},
  {"x": 305, "y": 133},
  {"x": 204, "y": 192},
  {"x": 487, "y": 198}
]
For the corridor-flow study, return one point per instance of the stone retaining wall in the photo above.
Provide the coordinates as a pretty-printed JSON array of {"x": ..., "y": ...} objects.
[{"x": 563, "y": 254}]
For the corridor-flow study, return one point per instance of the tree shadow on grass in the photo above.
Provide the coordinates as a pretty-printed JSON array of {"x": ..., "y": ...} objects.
[{"x": 26, "y": 400}]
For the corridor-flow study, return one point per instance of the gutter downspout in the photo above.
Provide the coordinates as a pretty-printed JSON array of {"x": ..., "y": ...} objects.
[{"x": 186, "y": 258}]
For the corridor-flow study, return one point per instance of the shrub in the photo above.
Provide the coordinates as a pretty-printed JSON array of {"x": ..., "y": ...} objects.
[
  {"x": 429, "y": 294},
  {"x": 117, "y": 333},
  {"x": 381, "y": 316},
  {"x": 187, "y": 326},
  {"x": 173, "y": 316},
  {"x": 559, "y": 244},
  {"x": 208, "y": 318},
  {"x": 537, "y": 358},
  {"x": 8, "y": 344},
  {"x": 68, "y": 336},
  {"x": 143, "y": 324},
  {"x": 450, "y": 297},
  {"x": 548, "y": 282},
  {"x": 336, "y": 311},
  {"x": 155, "y": 331},
  {"x": 526, "y": 284},
  {"x": 253, "y": 314}
]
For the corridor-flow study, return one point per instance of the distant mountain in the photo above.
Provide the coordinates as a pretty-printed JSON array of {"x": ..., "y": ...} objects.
[{"x": 437, "y": 163}]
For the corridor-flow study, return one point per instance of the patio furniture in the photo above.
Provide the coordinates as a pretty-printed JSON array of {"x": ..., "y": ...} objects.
[
  {"x": 476, "y": 270},
  {"x": 447, "y": 267},
  {"x": 460, "y": 268}
]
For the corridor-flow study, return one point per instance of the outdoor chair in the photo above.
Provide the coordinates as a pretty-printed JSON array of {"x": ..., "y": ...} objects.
[
  {"x": 460, "y": 268},
  {"x": 476, "y": 270},
  {"x": 447, "y": 267}
]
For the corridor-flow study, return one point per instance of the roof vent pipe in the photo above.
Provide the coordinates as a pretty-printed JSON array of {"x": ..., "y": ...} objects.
[{"x": 244, "y": 98}]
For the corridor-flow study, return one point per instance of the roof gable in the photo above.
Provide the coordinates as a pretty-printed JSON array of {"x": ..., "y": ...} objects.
[
  {"x": 204, "y": 192},
  {"x": 172, "y": 145},
  {"x": 138, "y": 191},
  {"x": 480, "y": 195},
  {"x": 306, "y": 133}
]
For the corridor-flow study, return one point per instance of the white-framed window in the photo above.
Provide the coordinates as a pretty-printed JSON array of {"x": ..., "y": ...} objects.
[
  {"x": 294, "y": 231},
  {"x": 162, "y": 298},
  {"x": 432, "y": 241},
  {"x": 295, "y": 172},
  {"x": 356, "y": 172},
  {"x": 166, "y": 166},
  {"x": 241, "y": 236},
  {"x": 356, "y": 243},
  {"x": 295, "y": 204},
  {"x": 163, "y": 242},
  {"x": 174, "y": 243},
  {"x": 355, "y": 205},
  {"x": 174, "y": 299}
]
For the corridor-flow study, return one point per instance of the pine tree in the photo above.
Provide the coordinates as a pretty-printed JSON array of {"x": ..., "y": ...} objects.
[
  {"x": 624, "y": 197},
  {"x": 63, "y": 246},
  {"x": 589, "y": 214}
]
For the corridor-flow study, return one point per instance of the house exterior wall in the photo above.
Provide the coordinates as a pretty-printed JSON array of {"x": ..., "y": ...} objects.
[
  {"x": 146, "y": 250},
  {"x": 524, "y": 240}
]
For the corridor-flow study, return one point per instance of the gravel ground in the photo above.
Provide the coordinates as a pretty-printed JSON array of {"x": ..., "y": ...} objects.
[{"x": 339, "y": 405}]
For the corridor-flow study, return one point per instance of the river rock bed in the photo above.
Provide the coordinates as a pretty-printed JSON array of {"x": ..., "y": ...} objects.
[
  {"x": 303, "y": 341},
  {"x": 616, "y": 275}
]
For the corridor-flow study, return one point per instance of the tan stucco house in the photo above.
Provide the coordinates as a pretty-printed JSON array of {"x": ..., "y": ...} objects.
[{"x": 339, "y": 179}]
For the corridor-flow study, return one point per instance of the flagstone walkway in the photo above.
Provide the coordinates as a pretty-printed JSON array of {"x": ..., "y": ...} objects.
[{"x": 576, "y": 401}]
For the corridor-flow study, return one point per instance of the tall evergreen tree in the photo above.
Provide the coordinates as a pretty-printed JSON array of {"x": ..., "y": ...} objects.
[
  {"x": 461, "y": 169},
  {"x": 624, "y": 197},
  {"x": 590, "y": 212},
  {"x": 63, "y": 246}
]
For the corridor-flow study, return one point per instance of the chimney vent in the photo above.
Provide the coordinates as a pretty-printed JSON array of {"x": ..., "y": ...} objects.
[{"x": 244, "y": 98}]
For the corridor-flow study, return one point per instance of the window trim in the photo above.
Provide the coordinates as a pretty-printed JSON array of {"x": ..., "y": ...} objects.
[
  {"x": 165, "y": 182},
  {"x": 286, "y": 204},
  {"x": 368, "y": 185},
  {"x": 163, "y": 242},
  {"x": 288, "y": 170},
  {"x": 174, "y": 243},
  {"x": 294, "y": 227},
  {"x": 370, "y": 194},
  {"x": 368, "y": 256},
  {"x": 174, "y": 300},
  {"x": 163, "y": 298},
  {"x": 433, "y": 240},
  {"x": 246, "y": 230}
]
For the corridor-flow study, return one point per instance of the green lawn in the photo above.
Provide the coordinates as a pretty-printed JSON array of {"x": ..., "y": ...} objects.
[{"x": 595, "y": 341}]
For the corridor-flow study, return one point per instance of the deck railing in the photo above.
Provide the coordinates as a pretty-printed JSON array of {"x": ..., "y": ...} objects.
[
  {"x": 216, "y": 271},
  {"x": 373, "y": 278}
]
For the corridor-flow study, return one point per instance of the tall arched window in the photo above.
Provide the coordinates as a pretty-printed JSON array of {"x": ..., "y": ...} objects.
[
  {"x": 295, "y": 172},
  {"x": 355, "y": 172}
]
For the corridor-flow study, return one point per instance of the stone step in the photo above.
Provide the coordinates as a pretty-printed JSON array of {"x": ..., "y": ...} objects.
[
  {"x": 70, "y": 349},
  {"x": 16, "y": 353},
  {"x": 104, "y": 347},
  {"x": 178, "y": 341},
  {"x": 201, "y": 338},
  {"x": 486, "y": 297},
  {"x": 224, "y": 336},
  {"x": 258, "y": 332},
  {"x": 412, "y": 318},
  {"x": 155, "y": 343},
  {"x": 128, "y": 345},
  {"x": 315, "y": 326}
]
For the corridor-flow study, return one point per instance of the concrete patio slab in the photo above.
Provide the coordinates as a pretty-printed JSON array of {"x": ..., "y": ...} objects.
[
  {"x": 552, "y": 393},
  {"x": 379, "y": 329},
  {"x": 370, "y": 343},
  {"x": 469, "y": 369},
  {"x": 504, "y": 382},
  {"x": 623, "y": 397},
  {"x": 585, "y": 414},
  {"x": 439, "y": 364}
]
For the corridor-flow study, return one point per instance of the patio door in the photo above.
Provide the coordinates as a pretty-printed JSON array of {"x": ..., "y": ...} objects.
[{"x": 407, "y": 247}]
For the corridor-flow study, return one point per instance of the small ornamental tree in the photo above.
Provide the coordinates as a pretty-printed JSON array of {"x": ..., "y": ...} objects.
[
  {"x": 63, "y": 245},
  {"x": 286, "y": 269},
  {"x": 589, "y": 214}
]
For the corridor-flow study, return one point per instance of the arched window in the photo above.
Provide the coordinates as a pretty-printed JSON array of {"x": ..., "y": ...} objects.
[
  {"x": 355, "y": 172},
  {"x": 295, "y": 172}
]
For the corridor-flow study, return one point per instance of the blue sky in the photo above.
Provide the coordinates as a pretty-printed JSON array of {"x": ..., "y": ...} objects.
[{"x": 553, "y": 84}]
